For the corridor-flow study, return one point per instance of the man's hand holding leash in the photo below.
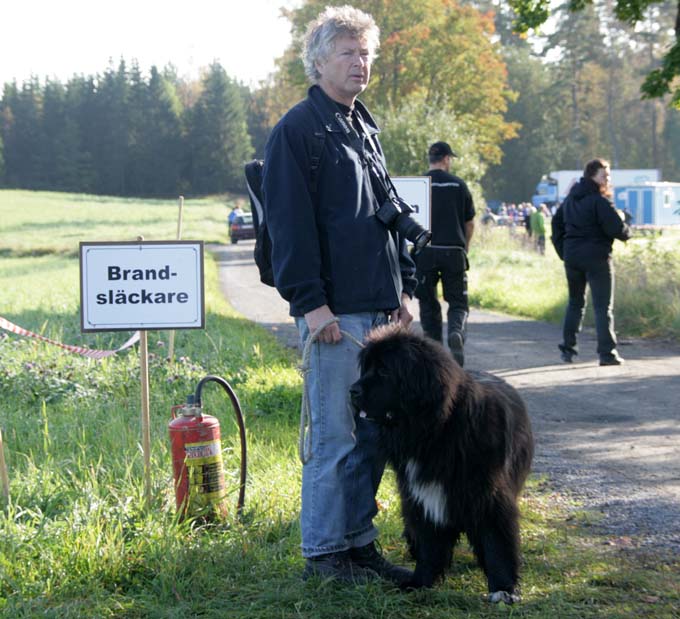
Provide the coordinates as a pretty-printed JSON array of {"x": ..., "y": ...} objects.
[{"x": 314, "y": 319}]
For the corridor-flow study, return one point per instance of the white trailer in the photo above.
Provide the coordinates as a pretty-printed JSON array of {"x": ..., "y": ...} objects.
[
  {"x": 554, "y": 187},
  {"x": 650, "y": 204}
]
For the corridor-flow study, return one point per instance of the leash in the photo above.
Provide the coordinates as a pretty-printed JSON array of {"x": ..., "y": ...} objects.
[{"x": 305, "y": 438}]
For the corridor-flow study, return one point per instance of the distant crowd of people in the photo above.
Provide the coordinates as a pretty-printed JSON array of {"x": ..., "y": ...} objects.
[{"x": 533, "y": 219}]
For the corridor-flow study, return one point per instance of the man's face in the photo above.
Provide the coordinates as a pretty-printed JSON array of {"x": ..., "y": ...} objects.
[{"x": 345, "y": 73}]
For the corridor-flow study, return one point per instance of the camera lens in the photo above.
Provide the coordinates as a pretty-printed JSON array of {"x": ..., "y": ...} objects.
[
  {"x": 412, "y": 230},
  {"x": 396, "y": 217},
  {"x": 422, "y": 240}
]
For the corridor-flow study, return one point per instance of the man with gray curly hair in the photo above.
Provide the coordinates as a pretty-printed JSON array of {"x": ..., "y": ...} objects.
[
  {"x": 345, "y": 21},
  {"x": 342, "y": 271}
]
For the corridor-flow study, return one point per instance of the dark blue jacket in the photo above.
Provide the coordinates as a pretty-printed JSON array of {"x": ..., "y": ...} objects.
[
  {"x": 328, "y": 247},
  {"x": 586, "y": 224}
]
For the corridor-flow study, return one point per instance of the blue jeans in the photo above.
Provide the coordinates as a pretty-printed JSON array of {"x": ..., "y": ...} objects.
[
  {"x": 340, "y": 480},
  {"x": 599, "y": 275}
]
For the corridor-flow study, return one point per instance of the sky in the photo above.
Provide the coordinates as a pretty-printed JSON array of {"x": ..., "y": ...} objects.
[{"x": 60, "y": 38}]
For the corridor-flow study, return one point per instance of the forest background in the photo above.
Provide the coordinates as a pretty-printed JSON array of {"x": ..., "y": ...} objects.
[{"x": 513, "y": 107}]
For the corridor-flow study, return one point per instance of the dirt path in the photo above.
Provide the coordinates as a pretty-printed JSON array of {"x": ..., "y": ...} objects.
[{"x": 610, "y": 436}]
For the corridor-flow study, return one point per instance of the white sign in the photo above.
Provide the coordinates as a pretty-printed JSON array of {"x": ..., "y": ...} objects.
[
  {"x": 143, "y": 285},
  {"x": 417, "y": 192}
]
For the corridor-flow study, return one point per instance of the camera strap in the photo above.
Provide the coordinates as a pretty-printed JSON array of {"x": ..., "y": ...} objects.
[
  {"x": 384, "y": 177},
  {"x": 374, "y": 163},
  {"x": 371, "y": 160}
]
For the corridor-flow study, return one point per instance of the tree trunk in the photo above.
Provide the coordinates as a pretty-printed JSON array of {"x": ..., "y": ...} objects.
[
  {"x": 654, "y": 115},
  {"x": 575, "y": 115},
  {"x": 611, "y": 128}
]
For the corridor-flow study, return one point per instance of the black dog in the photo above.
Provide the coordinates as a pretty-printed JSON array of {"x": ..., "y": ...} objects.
[{"x": 461, "y": 446}]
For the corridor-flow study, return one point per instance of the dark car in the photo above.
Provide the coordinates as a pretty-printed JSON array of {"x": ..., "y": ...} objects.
[{"x": 242, "y": 228}]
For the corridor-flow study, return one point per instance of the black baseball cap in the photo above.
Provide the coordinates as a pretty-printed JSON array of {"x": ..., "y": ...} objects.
[{"x": 440, "y": 149}]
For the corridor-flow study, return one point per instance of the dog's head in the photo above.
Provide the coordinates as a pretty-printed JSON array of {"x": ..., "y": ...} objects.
[{"x": 405, "y": 377}]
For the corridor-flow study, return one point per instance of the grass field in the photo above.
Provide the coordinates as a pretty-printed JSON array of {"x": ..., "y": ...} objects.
[
  {"x": 39, "y": 222},
  {"x": 508, "y": 276},
  {"x": 76, "y": 538}
]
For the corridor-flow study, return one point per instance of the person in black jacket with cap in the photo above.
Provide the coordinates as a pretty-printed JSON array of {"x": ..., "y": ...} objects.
[
  {"x": 453, "y": 215},
  {"x": 583, "y": 232}
]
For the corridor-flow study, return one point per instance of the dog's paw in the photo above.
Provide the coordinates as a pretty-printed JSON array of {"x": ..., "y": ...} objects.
[
  {"x": 413, "y": 584},
  {"x": 504, "y": 596},
  {"x": 409, "y": 585},
  {"x": 419, "y": 581}
]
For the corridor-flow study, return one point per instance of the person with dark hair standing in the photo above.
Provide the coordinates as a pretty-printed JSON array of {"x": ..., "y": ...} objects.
[
  {"x": 343, "y": 271},
  {"x": 583, "y": 232},
  {"x": 453, "y": 215}
]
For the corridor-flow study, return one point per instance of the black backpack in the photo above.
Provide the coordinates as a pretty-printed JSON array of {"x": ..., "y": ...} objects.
[{"x": 263, "y": 243}]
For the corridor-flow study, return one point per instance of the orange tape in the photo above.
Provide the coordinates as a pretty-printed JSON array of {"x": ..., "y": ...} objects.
[{"x": 81, "y": 350}]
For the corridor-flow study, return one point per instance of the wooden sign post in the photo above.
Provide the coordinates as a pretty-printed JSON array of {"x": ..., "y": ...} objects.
[
  {"x": 4, "y": 476},
  {"x": 146, "y": 415},
  {"x": 171, "y": 339}
]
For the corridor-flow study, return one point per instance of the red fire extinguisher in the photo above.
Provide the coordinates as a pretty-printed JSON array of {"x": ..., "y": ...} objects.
[{"x": 197, "y": 455}]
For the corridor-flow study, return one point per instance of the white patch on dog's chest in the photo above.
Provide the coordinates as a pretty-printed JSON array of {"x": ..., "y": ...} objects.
[{"x": 430, "y": 495}]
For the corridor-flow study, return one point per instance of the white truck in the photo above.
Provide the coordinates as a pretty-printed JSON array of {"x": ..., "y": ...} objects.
[{"x": 554, "y": 187}]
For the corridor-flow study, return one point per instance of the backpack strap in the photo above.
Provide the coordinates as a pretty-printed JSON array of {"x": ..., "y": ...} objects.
[
  {"x": 317, "y": 154},
  {"x": 253, "y": 172}
]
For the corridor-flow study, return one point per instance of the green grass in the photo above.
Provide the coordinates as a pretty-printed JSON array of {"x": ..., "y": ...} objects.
[
  {"x": 40, "y": 222},
  {"x": 507, "y": 275},
  {"x": 77, "y": 540}
]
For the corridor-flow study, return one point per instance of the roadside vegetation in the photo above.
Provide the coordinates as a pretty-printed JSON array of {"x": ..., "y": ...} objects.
[
  {"x": 508, "y": 275},
  {"x": 76, "y": 539}
]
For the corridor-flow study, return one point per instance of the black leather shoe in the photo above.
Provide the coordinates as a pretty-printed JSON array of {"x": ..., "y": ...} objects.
[
  {"x": 337, "y": 566},
  {"x": 611, "y": 359},
  {"x": 369, "y": 557}
]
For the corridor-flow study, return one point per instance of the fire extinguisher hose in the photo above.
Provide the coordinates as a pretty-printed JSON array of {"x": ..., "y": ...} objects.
[
  {"x": 241, "y": 428},
  {"x": 305, "y": 438}
]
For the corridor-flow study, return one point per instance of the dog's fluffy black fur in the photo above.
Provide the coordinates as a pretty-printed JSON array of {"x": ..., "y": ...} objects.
[{"x": 461, "y": 445}]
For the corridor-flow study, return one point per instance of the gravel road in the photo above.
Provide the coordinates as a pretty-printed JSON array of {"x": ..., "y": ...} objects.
[{"x": 607, "y": 436}]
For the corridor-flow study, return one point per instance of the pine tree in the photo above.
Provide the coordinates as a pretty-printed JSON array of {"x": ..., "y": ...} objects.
[
  {"x": 21, "y": 132},
  {"x": 112, "y": 131},
  {"x": 219, "y": 143},
  {"x": 59, "y": 154},
  {"x": 163, "y": 137},
  {"x": 137, "y": 114},
  {"x": 81, "y": 111}
]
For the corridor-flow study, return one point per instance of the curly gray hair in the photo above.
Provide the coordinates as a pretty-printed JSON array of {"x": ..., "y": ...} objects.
[{"x": 333, "y": 22}]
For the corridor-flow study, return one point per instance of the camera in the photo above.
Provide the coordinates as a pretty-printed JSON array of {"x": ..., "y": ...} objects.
[{"x": 396, "y": 215}]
